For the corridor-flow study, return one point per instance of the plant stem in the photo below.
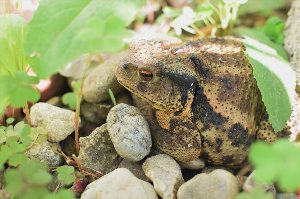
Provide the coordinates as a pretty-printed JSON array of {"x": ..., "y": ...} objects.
[
  {"x": 78, "y": 102},
  {"x": 27, "y": 114}
]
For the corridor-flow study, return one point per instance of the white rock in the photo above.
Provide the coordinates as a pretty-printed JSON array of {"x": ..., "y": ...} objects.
[
  {"x": 165, "y": 174},
  {"x": 219, "y": 184},
  {"x": 129, "y": 132},
  {"x": 58, "y": 122},
  {"x": 119, "y": 184}
]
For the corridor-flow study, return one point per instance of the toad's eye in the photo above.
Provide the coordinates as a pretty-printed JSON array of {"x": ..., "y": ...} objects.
[{"x": 145, "y": 75}]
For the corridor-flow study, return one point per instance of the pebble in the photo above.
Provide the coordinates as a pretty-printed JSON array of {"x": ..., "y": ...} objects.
[
  {"x": 102, "y": 78},
  {"x": 97, "y": 152},
  {"x": 193, "y": 165},
  {"x": 46, "y": 152},
  {"x": 219, "y": 184},
  {"x": 129, "y": 132},
  {"x": 120, "y": 184},
  {"x": 58, "y": 122},
  {"x": 165, "y": 173},
  {"x": 135, "y": 168},
  {"x": 95, "y": 113}
]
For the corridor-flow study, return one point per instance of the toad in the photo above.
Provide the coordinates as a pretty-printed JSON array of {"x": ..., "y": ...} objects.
[{"x": 204, "y": 96}]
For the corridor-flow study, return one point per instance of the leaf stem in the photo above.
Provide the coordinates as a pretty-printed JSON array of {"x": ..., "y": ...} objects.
[{"x": 27, "y": 114}]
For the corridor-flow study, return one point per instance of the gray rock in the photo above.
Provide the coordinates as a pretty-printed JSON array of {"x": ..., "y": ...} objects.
[
  {"x": 292, "y": 37},
  {"x": 129, "y": 132},
  {"x": 102, "y": 78},
  {"x": 46, "y": 152},
  {"x": 251, "y": 184},
  {"x": 57, "y": 121},
  {"x": 121, "y": 184},
  {"x": 286, "y": 196},
  {"x": 97, "y": 152},
  {"x": 219, "y": 184},
  {"x": 165, "y": 174},
  {"x": 194, "y": 164},
  {"x": 135, "y": 168},
  {"x": 95, "y": 113}
]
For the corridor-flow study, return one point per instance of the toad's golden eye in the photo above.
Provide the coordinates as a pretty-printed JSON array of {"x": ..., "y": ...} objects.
[{"x": 145, "y": 75}]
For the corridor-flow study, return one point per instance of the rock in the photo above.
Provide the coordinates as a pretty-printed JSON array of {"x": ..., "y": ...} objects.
[
  {"x": 97, "y": 152},
  {"x": 194, "y": 164},
  {"x": 286, "y": 196},
  {"x": 135, "y": 168},
  {"x": 46, "y": 152},
  {"x": 4, "y": 194},
  {"x": 165, "y": 174},
  {"x": 129, "y": 132},
  {"x": 292, "y": 37},
  {"x": 219, "y": 184},
  {"x": 95, "y": 113},
  {"x": 210, "y": 169},
  {"x": 251, "y": 184},
  {"x": 102, "y": 78},
  {"x": 57, "y": 121},
  {"x": 121, "y": 184}
]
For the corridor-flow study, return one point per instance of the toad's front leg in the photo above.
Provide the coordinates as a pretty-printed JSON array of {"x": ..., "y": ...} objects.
[{"x": 182, "y": 140}]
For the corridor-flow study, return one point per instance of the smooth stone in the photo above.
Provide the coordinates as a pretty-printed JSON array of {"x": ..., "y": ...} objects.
[
  {"x": 101, "y": 79},
  {"x": 97, "y": 152},
  {"x": 58, "y": 122},
  {"x": 219, "y": 184},
  {"x": 165, "y": 173},
  {"x": 135, "y": 168},
  {"x": 120, "y": 184},
  {"x": 95, "y": 113},
  {"x": 193, "y": 165},
  {"x": 46, "y": 152},
  {"x": 129, "y": 132},
  {"x": 251, "y": 184}
]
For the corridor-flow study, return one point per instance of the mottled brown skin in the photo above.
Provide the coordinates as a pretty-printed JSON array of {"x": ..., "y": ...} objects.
[{"x": 206, "y": 100}]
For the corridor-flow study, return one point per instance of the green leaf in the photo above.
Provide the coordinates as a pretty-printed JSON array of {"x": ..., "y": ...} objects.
[
  {"x": 35, "y": 172},
  {"x": 11, "y": 44},
  {"x": 5, "y": 153},
  {"x": 69, "y": 99},
  {"x": 17, "y": 159},
  {"x": 10, "y": 120},
  {"x": 112, "y": 97},
  {"x": 277, "y": 163},
  {"x": 61, "y": 31},
  {"x": 275, "y": 79},
  {"x": 36, "y": 193},
  {"x": 16, "y": 90},
  {"x": 65, "y": 174},
  {"x": 274, "y": 28},
  {"x": 256, "y": 193},
  {"x": 261, "y": 6},
  {"x": 14, "y": 181}
]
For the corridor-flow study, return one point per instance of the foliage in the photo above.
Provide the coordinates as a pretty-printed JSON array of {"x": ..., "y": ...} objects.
[
  {"x": 274, "y": 29},
  {"x": 277, "y": 163},
  {"x": 256, "y": 193},
  {"x": 69, "y": 99},
  {"x": 112, "y": 97},
  {"x": 275, "y": 79},
  {"x": 261, "y": 6},
  {"x": 15, "y": 84},
  {"x": 65, "y": 174},
  {"x": 25, "y": 178},
  {"x": 76, "y": 28}
]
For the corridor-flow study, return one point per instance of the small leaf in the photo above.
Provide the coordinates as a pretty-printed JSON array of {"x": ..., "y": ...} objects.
[
  {"x": 65, "y": 174},
  {"x": 112, "y": 97},
  {"x": 275, "y": 79},
  {"x": 256, "y": 193},
  {"x": 62, "y": 193},
  {"x": 14, "y": 181},
  {"x": 261, "y": 6},
  {"x": 10, "y": 120},
  {"x": 69, "y": 99},
  {"x": 17, "y": 159}
]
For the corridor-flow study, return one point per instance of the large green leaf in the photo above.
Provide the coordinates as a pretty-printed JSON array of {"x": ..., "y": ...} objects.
[
  {"x": 11, "y": 44},
  {"x": 275, "y": 79},
  {"x": 61, "y": 31},
  {"x": 261, "y": 6}
]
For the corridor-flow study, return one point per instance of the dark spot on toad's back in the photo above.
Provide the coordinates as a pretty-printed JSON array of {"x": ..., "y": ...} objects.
[
  {"x": 219, "y": 143},
  {"x": 200, "y": 68},
  {"x": 203, "y": 111},
  {"x": 239, "y": 135},
  {"x": 227, "y": 160}
]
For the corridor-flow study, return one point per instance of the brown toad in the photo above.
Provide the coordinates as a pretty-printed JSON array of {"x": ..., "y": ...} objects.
[{"x": 205, "y": 98}]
